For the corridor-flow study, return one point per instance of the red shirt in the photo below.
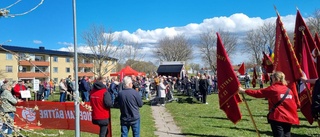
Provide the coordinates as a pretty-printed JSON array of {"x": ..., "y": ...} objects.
[{"x": 287, "y": 111}]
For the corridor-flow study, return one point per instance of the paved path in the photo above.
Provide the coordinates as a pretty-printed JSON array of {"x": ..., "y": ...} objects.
[{"x": 165, "y": 125}]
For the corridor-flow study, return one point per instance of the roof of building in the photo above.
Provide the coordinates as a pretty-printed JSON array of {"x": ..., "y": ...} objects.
[
  {"x": 169, "y": 68},
  {"x": 42, "y": 50}
]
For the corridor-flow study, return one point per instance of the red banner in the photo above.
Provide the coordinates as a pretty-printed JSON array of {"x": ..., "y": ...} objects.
[
  {"x": 54, "y": 115},
  {"x": 228, "y": 84},
  {"x": 285, "y": 59}
]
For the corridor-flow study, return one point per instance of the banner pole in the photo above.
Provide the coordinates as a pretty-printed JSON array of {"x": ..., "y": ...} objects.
[{"x": 254, "y": 123}]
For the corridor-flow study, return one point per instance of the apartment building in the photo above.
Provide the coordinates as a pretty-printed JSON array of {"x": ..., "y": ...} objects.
[{"x": 39, "y": 63}]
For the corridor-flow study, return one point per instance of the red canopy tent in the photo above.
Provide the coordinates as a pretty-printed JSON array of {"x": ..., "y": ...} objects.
[{"x": 127, "y": 71}]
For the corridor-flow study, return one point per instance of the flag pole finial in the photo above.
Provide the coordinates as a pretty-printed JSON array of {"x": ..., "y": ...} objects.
[
  {"x": 297, "y": 8},
  {"x": 275, "y": 8}
]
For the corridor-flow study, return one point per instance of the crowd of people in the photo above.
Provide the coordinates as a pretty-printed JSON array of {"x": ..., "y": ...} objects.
[{"x": 127, "y": 94}]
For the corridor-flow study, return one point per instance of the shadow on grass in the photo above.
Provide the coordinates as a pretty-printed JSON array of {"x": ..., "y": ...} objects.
[
  {"x": 192, "y": 134},
  {"x": 267, "y": 133},
  {"x": 188, "y": 100},
  {"x": 221, "y": 118},
  {"x": 303, "y": 126}
]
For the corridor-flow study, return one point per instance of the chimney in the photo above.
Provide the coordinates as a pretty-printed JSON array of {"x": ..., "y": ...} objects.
[{"x": 41, "y": 48}]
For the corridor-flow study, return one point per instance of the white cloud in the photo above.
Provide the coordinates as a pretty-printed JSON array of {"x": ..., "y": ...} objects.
[
  {"x": 237, "y": 23},
  {"x": 37, "y": 41},
  {"x": 65, "y": 44}
]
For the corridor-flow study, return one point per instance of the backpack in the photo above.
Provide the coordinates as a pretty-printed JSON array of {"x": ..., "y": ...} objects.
[{"x": 315, "y": 106}]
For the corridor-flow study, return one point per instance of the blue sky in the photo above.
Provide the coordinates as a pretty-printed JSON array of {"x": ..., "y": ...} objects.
[{"x": 51, "y": 24}]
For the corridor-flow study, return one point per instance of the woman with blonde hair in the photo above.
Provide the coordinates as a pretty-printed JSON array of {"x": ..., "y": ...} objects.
[{"x": 282, "y": 105}]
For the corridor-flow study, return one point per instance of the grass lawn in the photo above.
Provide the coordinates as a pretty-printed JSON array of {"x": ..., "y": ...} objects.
[
  {"x": 200, "y": 120},
  {"x": 147, "y": 124}
]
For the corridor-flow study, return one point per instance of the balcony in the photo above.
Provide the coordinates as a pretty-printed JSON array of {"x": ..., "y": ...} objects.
[
  {"x": 88, "y": 74},
  {"x": 85, "y": 65},
  {"x": 37, "y": 63},
  {"x": 33, "y": 74}
]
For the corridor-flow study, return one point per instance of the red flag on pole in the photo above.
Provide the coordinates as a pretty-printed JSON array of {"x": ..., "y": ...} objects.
[
  {"x": 299, "y": 27},
  {"x": 303, "y": 45},
  {"x": 242, "y": 69},
  {"x": 309, "y": 71},
  {"x": 228, "y": 84},
  {"x": 285, "y": 59}
]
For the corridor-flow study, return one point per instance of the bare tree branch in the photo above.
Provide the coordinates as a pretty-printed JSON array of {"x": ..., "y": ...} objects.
[
  {"x": 103, "y": 46},
  {"x": 175, "y": 49}
]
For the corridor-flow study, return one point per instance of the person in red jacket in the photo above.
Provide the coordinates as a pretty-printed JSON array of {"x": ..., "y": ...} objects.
[
  {"x": 100, "y": 101},
  {"x": 18, "y": 88},
  {"x": 283, "y": 115}
]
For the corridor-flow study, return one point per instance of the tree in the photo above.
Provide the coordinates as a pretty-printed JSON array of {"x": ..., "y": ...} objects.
[
  {"x": 258, "y": 40},
  {"x": 131, "y": 51},
  {"x": 208, "y": 46},
  {"x": 177, "y": 48},
  {"x": 194, "y": 67},
  {"x": 268, "y": 34},
  {"x": 142, "y": 66},
  {"x": 103, "y": 46},
  {"x": 254, "y": 45},
  {"x": 314, "y": 22}
]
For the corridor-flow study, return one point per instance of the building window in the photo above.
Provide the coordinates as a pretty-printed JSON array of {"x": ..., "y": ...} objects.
[
  {"x": 39, "y": 58},
  {"x": 55, "y": 59},
  {"x": 8, "y": 69},
  {"x": 67, "y": 59},
  {"x": 40, "y": 69},
  {"x": 55, "y": 69},
  {"x": 68, "y": 70},
  {"x": 9, "y": 56},
  {"x": 55, "y": 80},
  {"x": 86, "y": 70}
]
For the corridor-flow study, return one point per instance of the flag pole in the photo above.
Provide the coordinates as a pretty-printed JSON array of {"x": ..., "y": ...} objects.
[{"x": 254, "y": 123}]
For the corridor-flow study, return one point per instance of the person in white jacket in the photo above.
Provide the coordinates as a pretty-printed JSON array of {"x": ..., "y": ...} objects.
[{"x": 162, "y": 92}]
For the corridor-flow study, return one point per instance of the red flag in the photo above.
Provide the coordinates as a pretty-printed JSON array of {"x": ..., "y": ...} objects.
[
  {"x": 316, "y": 53},
  {"x": 254, "y": 77},
  {"x": 267, "y": 64},
  {"x": 299, "y": 27},
  {"x": 285, "y": 59},
  {"x": 242, "y": 69},
  {"x": 228, "y": 84},
  {"x": 310, "y": 72}
]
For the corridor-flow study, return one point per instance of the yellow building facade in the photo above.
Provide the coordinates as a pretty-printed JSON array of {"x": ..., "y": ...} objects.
[{"x": 33, "y": 63}]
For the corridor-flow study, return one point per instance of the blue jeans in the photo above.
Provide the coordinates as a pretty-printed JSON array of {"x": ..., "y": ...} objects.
[
  {"x": 5, "y": 126},
  {"x": 125, "y": 127},
  {"x": 209, "y": 89},
  {"x": 46, "y": 94},
  {"x": 247, "y": 84},
  {"x": 63, "y": 96},
  {"x": 85, "y": 96}
]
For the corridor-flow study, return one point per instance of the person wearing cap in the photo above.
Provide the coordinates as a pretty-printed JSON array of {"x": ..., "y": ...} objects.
[{"x": 18, "y": 88}]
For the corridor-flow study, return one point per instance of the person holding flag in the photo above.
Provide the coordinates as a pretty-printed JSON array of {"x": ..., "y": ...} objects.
[{"x": 282, "y": 105}]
